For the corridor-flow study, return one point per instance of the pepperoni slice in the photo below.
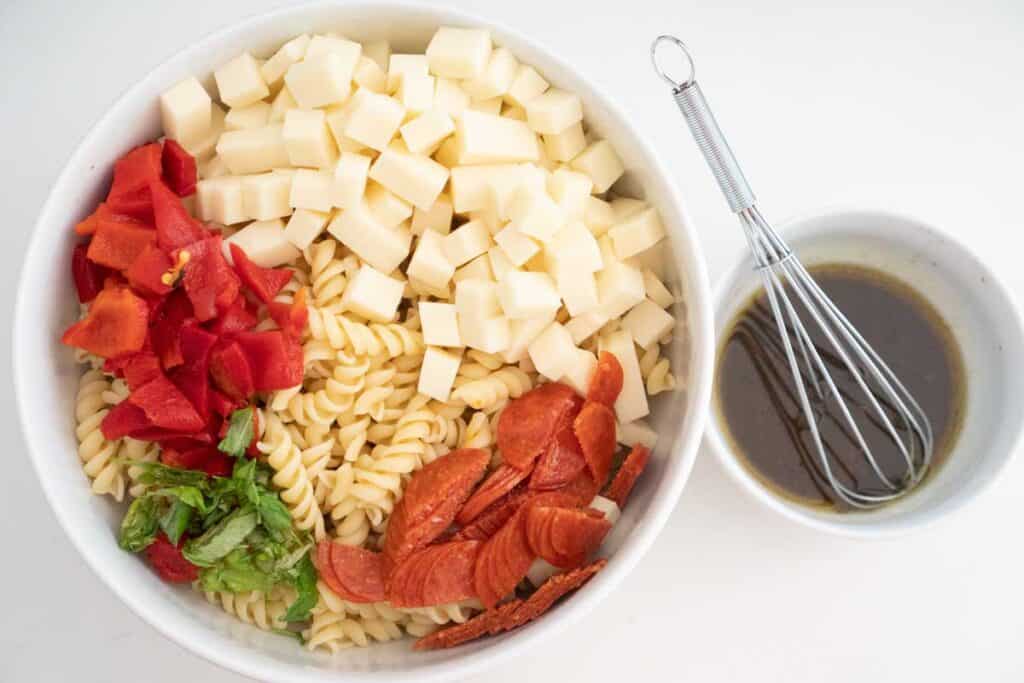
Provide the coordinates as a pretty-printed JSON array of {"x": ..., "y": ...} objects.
[
  {"x": 435, "y": 575},
  {"x": 529, "y": 422},
  {"x": 628, "y": 473},
  {"x": 549, "y": 592},
  {"x": 504, "y": 560},
  {"x": 565, "y": 537},
  {"x": 580, "y": 490},
  {"x": 486, "y": 623},
  {"x": 355, "y": 573},
  {"x": 499, "y": 483},
  {"x": 595, "y": 428},
  {"x": 560, "y": 464},
  {"x": 606, "y": 384},
  {"x": 487, "y": 523}
]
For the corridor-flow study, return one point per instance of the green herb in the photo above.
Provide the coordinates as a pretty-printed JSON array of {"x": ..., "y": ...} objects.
[
  {"x": 156, "y": 474},
  {"x": 239, "y": 435},
  {"x": 139, "y": 526},
  {"x": 305, "y": 585},
  {"x": 188, "y": 495},
  {"x": 297, "y": 635},
  {"x": 218, "y": 541},
  {"x": 273, "y": 513},
  {"x": 175, "y": 520}
]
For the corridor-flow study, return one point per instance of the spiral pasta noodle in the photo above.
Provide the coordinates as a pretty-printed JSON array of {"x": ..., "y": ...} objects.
[
  {"x": 329, "y": 272},
  {"x": 494, "y": 390},
  {"x": 656, "y": 371},
  {"x": 292, "y": 478},
  {"x": 338, "y": 624},
  {"x": 255, "y": 607},
  {"x": 99, "y": 456},
  {"x": 134, "y": 453}
]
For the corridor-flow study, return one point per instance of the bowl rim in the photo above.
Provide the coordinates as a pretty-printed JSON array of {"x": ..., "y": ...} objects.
[
  {"x": 700, "y": 312},
  {"x": 801, "y": 226}
]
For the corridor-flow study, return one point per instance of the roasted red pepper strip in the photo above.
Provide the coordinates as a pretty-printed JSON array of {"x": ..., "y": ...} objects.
[
  {"x": 174, "y": 227},
  {"x": 209, "y": 281},
  {"x": 192, "y": 377},
  {"x": 274, "y": 360},
  {"x": 146, "y": 273},
  {"x": 179, "y": 168},
  {"x": 115, "y": 325},
  {"x": 129, "y": 193},
  {"x": 168, "y": 562},
  {"x": 172, "y": 313},
  {"x": 229, "y": 368},
  {"x": 166, "y": 406},
  {"x": 118, "y": 245},
  {"x": 88, "y": 276},
  {"x": 236, "y": 318},
  {"x": 291, "y": 318},
  {"x": 265, "y": 283}
]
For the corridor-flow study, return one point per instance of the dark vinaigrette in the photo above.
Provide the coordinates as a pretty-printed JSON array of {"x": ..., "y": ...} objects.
[{"x": 756, "y": 395}]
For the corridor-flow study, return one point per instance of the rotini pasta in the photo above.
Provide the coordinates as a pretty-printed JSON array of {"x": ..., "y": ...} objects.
[
  {"x": 492, "y": 391},
  {"x": 291, "y": 477},
  {"x": 255, "y": 607},
  {"x": 99, "y": 456}
]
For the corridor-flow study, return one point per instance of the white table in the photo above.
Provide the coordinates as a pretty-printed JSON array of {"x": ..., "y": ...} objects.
[{"x": 917, "y": 108}]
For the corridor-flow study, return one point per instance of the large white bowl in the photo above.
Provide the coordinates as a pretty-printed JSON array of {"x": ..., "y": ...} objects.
[{"x": 46, "y": 376}]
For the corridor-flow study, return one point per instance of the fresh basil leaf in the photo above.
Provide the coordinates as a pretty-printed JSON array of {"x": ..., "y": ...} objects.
[
  {"x": 305, "y": 585},
  {"x": 175, "y": 520},
  {"x": 244, "y": 479},
  {"x": 139, "y": 526},
  {"x": 239, "y": 435},
  {"x": 238, "y": 576},
  {"x": 157, "y": 474},
  {"x": 189, "y": 495},
  {"x": 297, "y": 635},
  {"x": 273, "y": 513},
  {"x": 219, "y": 540}
]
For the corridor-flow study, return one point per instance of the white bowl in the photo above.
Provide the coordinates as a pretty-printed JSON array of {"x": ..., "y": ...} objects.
[
  {"x": 45, "y": 373},
  {"x": 979, "y": 312}
]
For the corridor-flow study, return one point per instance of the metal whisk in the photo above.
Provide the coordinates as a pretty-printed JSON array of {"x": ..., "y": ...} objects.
[{"x": 783, "y": 274}]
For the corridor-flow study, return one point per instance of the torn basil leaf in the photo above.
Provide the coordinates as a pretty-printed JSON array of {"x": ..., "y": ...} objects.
[
  {"x": 139, "y": 526},
  {"x": 175, "y": 520},
  {"x": 305, "y": 586},
  {"x": 239, "y": 434},
  {"x": 221, "y": 539}
]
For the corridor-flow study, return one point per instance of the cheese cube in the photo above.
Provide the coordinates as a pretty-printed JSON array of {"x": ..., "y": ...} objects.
[
  {"x": 571, "y": 191},
  {"x": 265, "y": 196},
  {"x": 239, "y": 81},
  {"x": 461, "y": 53},
  {"x": 583, "y": 326},
  {"x": 388, "y": 209},
  {"x": 472, "y": 187},
  {"x": 477, "y": 269},
  {"x": 206, "y": 145},
  {"x": 522, "y": 332},
  {"x": 213, "y": 168},
  {"x": 348, "y": 50},
  {"x": 369, "y": 75},
  {"x": 501, "y": 194},
  {"x": 648, "y": 323},
  {"x": 273, "y": 69},
  {"x": 601, "y": 163},
  {"x": 307, "y": 139},
  {"x": 579, "y": 370},
  {"x": 656, "y": 290},
  {"x": 518, "y": 247},
  {"x": 264, "y": 243},
  {"x": 526, "y": 85},
  {"x": 626, "y": 207},
  {"x": 429, "y": 263},
  {"x": 373, "y": 295},
  {"x": 311, "y": 190},
  {"x": 254, "y": 150},
  {"x": 185, "y": 111},
  {"x": 514, "y": 112},
  {"x": 416, "y": 179},
  {"x": 426, "y": 131},
  {"x": 497, "y": 76},
  {"x": 349, "y": 182},
  {"x": 416, "y": 94},
  {"x": 540, "y": 571},
  {"x": 320, "y": 81},
  {"x": 449, "y": 97},
  {"x": 636, "y": 432},
  {"x": 375, "y": 121},
  {"x": 552, "y": 352},
  {"x": 487, "y": 139},
  {"x": 220, "y": 200},
  {"x": 477, "y": 299},
  {"x": 467, "y": 242},
  {"x": 381, "y": 247},
  {"x": 440, "y": 324},
  {"x": 447, "y": 153},
  {"x": 535, "y": 214},
  {"x": 553, "y": 111},
  {"x": 578, "y": 290},
  {"x": 598, "y": 216},
  {"x": 400, "y": 66},
  {"x": 305, "y": 226},
  {"x": 253, "y": 116},
  {"x": 632, "y": 401},
  {"x": 620, "y": 287},
  {"x": 501, "y": 266},
  {"x": 608, "y": 507},
  {"x": 528, "y": 295},
  {"x": 490, "y": 335},
  {"x": 282, "y": 102},
  {"x": 491, "y": 106},
  {"x": 567, "y": 144},
  {"x": 379, "y": 51},
  {"x": 575, "y": 249},
  {"x": 417, "y": 290},
  {"x": 437, "y": 374},
  {"x": 437, "y": 218},
  {"x": 637, "y": 233}
]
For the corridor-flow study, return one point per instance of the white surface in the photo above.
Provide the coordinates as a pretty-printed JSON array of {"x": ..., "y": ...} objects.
[{"x": 915, "y": 108}]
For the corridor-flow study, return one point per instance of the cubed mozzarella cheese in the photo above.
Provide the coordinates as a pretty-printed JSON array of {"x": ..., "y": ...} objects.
[
  {"x": 426, "y": 131},
  {"x": 461, "y": 53},
  {"x": 553, "y": 351},
  {"x": 304, "y": 226},
  {"x": 632, "y": 401},
  {"x": 526, "y": 84},
  {"x": 571, "y": 191},
  {"x": 402, "y": 65},
  {"x": 648, "y": 323},
  {"x": 497, "y": 76},
  {"x": 264, "y": 243},
  {"x": 280, "y": 105},
  {"x": 254, "y": 150},
  {"x": 490, "y": 139},
  {"x": 491, "y": 106},
  {"x": 379, "y": 51},
  {"x": 553, "y": 111},
  {"x": 477, "y": 269},
  {"x": 477, "y": 299},
  {"x": 466, "y": 242},
  {"x": 440, "y": 324},
  {"x": 370, "y": 76},
  {"x": 528, "y": 295},
  {"x": 514, "y": 112},
  {"x": 608, "y": 507},
  {"x": 579, "y": 371},
  {"x": 375, "y": 121},
  {"x": 321, "y": 81},
  {"x": 416, "y": 179},
  {"x": 212, "y": 168},
  {"x": 578, "y": 290},
  {"x": 656, "y": 290},
  {"x": 273, "y": 69},
  {"x": 348, "y": 50},
  {"x": 437, "y": 374},
  {"x": 583, "y": 326},
  {"x": 373, "y": 295},
  {"x": 501, "y": 266},
  {"x": 533, "y": 213},
  {"x": 387, "y": 208},
  {"x": 519, "y": 248},
  {"x": 429, "y": 263},
  {"x": 521, "y": 333},
  {"x": 626, "y": 207},
  {"x": 598, "y": 216},
  {"x": 239, "y": 81},
  {"x": 540, "y": 571},
  {"x": 601, "y": 163},
  {"x": 416, "y": 94},
  {"x": 575, "y": 249},
  {"x": 449, "y": 97},
  {"x": 490, "y": 335},
  {"x": 255, "y": 115},
  {"x": 637, "y": 233},
  {"x": 265, "y": 196},
  {"x": 620, "y": 287},
  {"x": 566, "y": 145},
  {"x": 307, "y": 139},
  {"x": 349, "y": 181},
  {"x": 220, "y": 200},
  {"x": 636, "y": 432},
  {"x": 437, "y": 218},
  {"x": 383, "y": 248},
  {"x": 205, "y": 146},
  {"x": 472, "y": 186},
  {"x": 185, "y": 111},
  {"x": 311, "y": 190}
]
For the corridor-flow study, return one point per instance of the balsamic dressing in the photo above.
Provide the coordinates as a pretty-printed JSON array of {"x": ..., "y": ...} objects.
[{"x": 757, "y": 399}]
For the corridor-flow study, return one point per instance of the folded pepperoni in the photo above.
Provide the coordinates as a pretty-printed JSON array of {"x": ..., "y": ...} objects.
[
  {"x": 549, "y": 592},
  {"x": 435, "y": 575},
  {"x": 565, "y": 537},
  {"x": 560, "y": 463},
  {"x": 487, "y": 523},
  {"x": 628, "y": 473},
  {"x": 606, "y": 383},
  {"x": 486, "y": 623},
  {"x": 529, "y": 422},
  {"x": 503, "y": 561},
  {"x": 355, "y": 573},
  {"x": 499, "y": 483},
  {"x": 581, "y": 490},
  {"x": 595, "y": 429}
]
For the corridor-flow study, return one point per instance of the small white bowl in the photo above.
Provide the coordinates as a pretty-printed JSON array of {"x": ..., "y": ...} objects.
[
  {"x": 979, "y": 312},
  {"x": 46, "y": 376}
]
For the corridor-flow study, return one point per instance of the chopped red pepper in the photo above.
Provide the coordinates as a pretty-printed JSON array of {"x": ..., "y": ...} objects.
[
  {"x": 129, "y": 193},
  {"x": 168, "y": 319},
  {"x": 291, "y": 318},
  {"x": 230, "y": 370},
  {"x": 115, "y": 325},
  {"x": 88, "y": 276},
  {"x": 236, "y": 318},
  {"x": 147, "y": 272},
  {"x": 166, "y": 406},
  {"x": 103, "y": 215},
  {"x": 124, "y": 419},
  {"x": 179, "y": 168},
  {"x": 174, "y": 227},
  {"x": 274, "y": 359},
  {"x": 221, "y": 404},
  {"x": 265, "y": 283},
  {"x": 209, "y": 281},
  {"x": 117, "y": 245},
  {"x": 168, "y": 561},
  {"x": 141, "y": 368},
  {"x": 192, "y": 376}
]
